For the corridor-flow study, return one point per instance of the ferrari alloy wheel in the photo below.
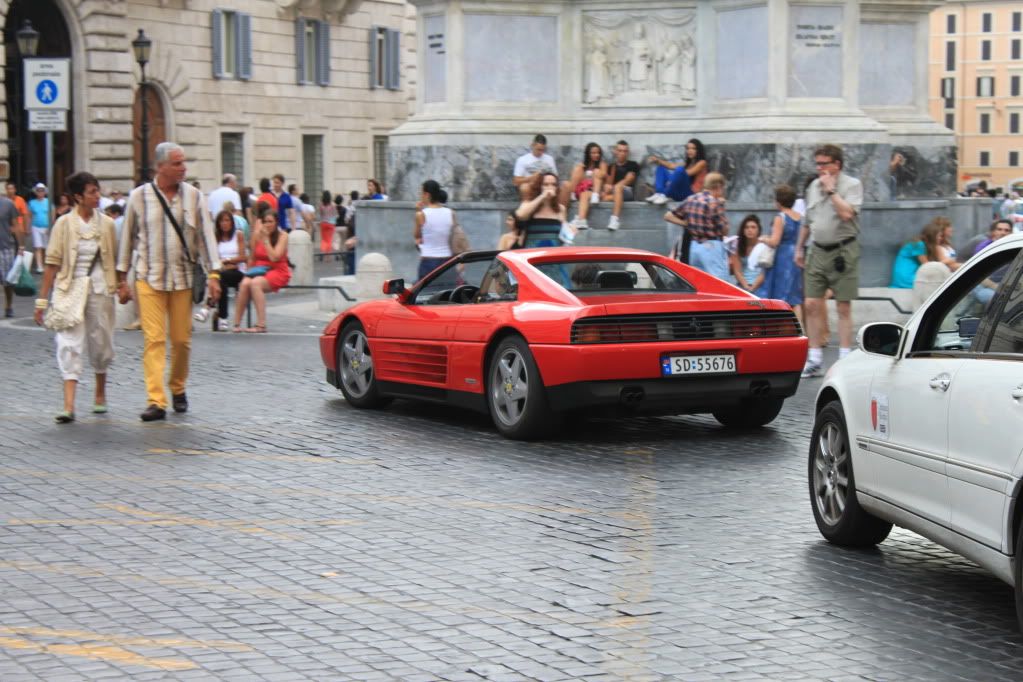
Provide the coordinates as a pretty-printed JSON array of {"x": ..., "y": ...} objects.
[
  {"x": 1017, "y": 571},
  {"x": 750, "y": 414},
  {"x": 515, "y": 392},
  {"x": 838, "y": 513},
  {"x": 355, "y": 367}
]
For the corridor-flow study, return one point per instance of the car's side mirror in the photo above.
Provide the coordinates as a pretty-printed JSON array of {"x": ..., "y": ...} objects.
[
  {"x": 967, "y": 327},
  {"x": 394, "y": 286},
  {"x": 880, "y": 338}
]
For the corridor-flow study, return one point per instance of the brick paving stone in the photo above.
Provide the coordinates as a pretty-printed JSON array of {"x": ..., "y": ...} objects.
[{"x": 274, "y": 532}]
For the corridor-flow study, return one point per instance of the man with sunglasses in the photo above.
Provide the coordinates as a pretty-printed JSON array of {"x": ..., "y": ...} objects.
[{"x": 833, "y": 204}]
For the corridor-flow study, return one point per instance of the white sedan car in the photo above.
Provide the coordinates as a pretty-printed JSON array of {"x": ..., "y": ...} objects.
[{"x": 922, "y": 426}]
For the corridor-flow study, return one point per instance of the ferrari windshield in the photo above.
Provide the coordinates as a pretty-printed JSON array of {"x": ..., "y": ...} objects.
[{"x": 599, "y": 277}]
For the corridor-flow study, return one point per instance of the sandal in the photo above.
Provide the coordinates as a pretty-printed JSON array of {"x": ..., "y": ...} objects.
[
  {"x": 64, "y": 417},
  {"x": 99, "y": 408},
  {"x": 257, "y": 329},
  {"x": 237, "y": 329}
]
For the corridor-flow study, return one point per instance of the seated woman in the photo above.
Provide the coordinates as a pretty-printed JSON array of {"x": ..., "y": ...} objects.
[
  {"x": 542, "y": 215},
  {"x": 585, "y": 182},
  {"x": 267, "y": 270},
  {"x": 908, "y": 260},
  {"x": 516, "y": 233},
  {"x": 676, "y": 181},
  {"x": 233, "y": 256}
]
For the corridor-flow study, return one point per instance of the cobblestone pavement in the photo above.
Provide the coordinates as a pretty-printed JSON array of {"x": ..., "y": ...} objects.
[{"x": 275, "y": 533}]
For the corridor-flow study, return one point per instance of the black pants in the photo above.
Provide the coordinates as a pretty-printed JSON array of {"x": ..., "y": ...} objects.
[
  {"x": 229, "y": 279},
  {"x": 687, "y": 243}
]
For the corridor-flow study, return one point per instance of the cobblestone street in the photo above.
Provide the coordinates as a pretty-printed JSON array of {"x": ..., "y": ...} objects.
[{"x": 275, "y": 533}]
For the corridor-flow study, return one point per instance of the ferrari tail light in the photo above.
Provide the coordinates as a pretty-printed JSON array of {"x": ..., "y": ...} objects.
[
  {"x": 587, "y": 334},
  {"x": 685, "y": 327}
]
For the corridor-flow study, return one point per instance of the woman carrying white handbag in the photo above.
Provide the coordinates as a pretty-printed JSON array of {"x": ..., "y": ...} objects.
[{"x": 80, "y": 270}]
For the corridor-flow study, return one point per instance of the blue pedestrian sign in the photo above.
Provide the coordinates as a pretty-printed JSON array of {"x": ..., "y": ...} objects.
[
  {"x": 47, "y": 84},
  {"x": 46, "y": 91}
]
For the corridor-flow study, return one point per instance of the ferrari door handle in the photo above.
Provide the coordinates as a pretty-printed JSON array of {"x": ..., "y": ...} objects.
[{"x": 940, "y": 382}]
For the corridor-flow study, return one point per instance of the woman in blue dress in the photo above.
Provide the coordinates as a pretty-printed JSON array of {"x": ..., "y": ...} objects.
[{"x": 784, "y": 280}]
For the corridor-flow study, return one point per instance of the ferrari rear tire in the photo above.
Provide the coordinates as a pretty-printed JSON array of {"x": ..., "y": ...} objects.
[
  {"x": 356, "y": 376},
  {"x": 515, "y": 392},
  {"x": 837, "y": 511},
  {"x": 750, "y": 414}
]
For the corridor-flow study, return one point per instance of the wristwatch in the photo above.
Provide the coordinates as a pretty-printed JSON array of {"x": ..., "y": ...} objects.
[{"x": 830, "y": 192}]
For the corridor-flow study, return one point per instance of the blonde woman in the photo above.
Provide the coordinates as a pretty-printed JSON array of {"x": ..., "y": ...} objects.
[{"x": 82, "y": 245}]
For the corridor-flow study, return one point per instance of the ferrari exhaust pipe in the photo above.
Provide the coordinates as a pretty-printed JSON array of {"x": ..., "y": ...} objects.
[
  {"x": 760, "y": 388},
  {"x": 631, "y": 396}
]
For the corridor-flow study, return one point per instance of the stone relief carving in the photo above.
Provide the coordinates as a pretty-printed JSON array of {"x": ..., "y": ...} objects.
[
  {"x": 639, "y": 59},
  {"x": 328, "y": 8}
]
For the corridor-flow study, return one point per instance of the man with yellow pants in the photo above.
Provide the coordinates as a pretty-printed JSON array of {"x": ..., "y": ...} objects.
[{"x": 167, "y": 223}]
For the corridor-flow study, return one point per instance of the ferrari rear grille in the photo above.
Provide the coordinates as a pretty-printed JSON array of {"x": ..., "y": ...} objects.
[{"x": 686, "y": 327}]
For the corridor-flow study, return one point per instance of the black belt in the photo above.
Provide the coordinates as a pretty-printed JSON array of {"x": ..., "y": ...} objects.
[{"x": 836, "y": 245}]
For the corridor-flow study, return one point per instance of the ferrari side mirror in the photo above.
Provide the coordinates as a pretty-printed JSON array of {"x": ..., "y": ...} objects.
[{"x": 394, "y": 286}]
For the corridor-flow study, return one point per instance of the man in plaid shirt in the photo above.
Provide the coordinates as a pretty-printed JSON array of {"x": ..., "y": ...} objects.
[{"x": 703, "y": 217}]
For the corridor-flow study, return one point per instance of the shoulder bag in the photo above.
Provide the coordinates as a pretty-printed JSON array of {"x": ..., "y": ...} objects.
[
  {"x": 458, "y": 240},
  {"x": 67, "y": 308},
  {"x": 198, "y": 271},
  {"x": 766, "y": 259}
]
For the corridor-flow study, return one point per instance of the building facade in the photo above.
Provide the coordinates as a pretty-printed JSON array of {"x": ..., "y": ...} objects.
[
  {"x": 976, "y": 82},
  {"x": 306, "y": 88}
]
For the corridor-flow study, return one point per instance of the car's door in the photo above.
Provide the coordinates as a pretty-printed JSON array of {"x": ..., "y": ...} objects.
[
  {"x": 909, "y": 408},
  {"x": 412, "y": 341},
  {"x": 986, "y": 418}
]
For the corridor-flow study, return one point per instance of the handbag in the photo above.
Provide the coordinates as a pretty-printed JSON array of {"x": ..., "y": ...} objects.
[
  {"x": 67, "y": 308},
  {"x": 458, "y": 240},
  {"x": 25, "y": 285},
  {"x": 198, "y": 271},
  {"x": 257, "y": 271},
  {"x": 766, "y": 259}
]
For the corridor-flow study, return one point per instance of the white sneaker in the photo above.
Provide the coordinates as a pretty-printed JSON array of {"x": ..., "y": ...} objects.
[
  {"x": 614, "y": 223},
  {"x": 811, "y": 370},
  {"x": 581, "y": 223},
  {"x": 594, "y": 199},
  {"x": 202, "y": 314},
  {"x": 567, "y": 235},
  {"x": 650, "y": 199},
  {"x": 660, "y": 199}
]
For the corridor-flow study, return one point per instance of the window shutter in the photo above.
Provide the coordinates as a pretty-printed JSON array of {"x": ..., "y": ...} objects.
[
  {"x": 244, "y": 44},
  {"x": 373, "y": 30},
  {"x": 218, "y": 47},
  {"x": 394, "y": 54},
  {"x": 323, "y": 53},
  {"x": 300, "y": 48}
]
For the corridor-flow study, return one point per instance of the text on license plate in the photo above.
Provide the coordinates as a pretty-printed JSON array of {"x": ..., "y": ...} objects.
[{"x": 697, "y": 364}]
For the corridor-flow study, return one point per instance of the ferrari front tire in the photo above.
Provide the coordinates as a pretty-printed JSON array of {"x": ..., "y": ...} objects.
[
  {"x": 750, "y": 414},
  {"x": 839, "y": 516},
  {"x": 355, "y": 369},
  {"x": 515, "y": 392}
]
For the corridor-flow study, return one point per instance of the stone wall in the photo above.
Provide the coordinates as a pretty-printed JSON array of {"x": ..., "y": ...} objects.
[{"x": 386, "y": 227}]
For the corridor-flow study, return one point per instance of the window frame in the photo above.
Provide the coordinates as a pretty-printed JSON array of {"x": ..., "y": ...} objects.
[
  {"x": 1014, "y": 123},
  {"x": 231, "y": 44},
  {"x": 984, "y": 158},
  {"x": 950, "y": 55},
  {"x": 983, "y": 122},
  {"x": 1013, "y": 158},
  {"x": 985, "y": 50},
  {"x": 384, "y": 58},
  {"x": 312, "y": 38},
  {"x": 1014, "y": 85},
  {"x": 987, "y": 22},
  {"x": 950, "y": 24},
  {"x": 988, "y": 80},
  {"x": 240, "y": 171},
  {"x": 993, "y": 316}
]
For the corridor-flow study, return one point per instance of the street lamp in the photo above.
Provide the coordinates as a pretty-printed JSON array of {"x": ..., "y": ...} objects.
[
  {"x": 142, "y": 46},
  {"x": 28, "y": 43}
]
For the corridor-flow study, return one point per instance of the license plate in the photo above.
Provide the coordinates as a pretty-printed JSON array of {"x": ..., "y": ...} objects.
[{"x": 672, "y": 365}]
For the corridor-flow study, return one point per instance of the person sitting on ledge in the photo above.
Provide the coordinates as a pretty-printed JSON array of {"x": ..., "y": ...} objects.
[
  {"x": 620, "y": 183},
  {"x": 676, "y": 181}
]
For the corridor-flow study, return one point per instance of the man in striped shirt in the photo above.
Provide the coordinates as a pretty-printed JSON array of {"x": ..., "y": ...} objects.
[{"x": 163, "y": 272}]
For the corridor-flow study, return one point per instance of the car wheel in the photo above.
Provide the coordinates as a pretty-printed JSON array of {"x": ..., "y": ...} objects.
[
  {"x": 515, "y": 392},
  {"x": 750, "y": 414},
  {"x": 355, "y": 367},
  {"x": 838, "y": 513}
]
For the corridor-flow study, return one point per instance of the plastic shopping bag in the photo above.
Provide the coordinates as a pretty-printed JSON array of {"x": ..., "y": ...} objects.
[
  {"x": 25, "y": 285},
  {"x": 14, "y": 273}
]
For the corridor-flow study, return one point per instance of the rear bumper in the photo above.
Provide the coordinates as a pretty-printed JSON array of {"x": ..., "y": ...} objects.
[{"x": 671, "y": 395}]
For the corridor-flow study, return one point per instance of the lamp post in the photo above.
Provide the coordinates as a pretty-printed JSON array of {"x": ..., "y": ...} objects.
[
  {"x": 28, "y": 43},
  {"x": 142, "y": 46}
]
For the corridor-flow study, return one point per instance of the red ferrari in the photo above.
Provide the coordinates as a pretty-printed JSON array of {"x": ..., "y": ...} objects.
[{"x": 531, "y": 335}]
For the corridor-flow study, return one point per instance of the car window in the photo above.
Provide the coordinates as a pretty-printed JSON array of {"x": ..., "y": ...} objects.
[
  {"x": 966, "y": 302},
  {"x": 438, "y": 288},
  {"x": 614, "y": 277},
  {"x": 499, "y": 284},
  {"x": 1007, "y": 335}
]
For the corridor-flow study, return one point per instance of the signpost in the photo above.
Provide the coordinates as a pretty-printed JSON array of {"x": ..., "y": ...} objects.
[{"x": 47, "y": 98}]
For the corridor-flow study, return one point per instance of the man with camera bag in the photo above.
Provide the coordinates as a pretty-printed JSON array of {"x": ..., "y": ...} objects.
[{"x": 833, "y": 204}]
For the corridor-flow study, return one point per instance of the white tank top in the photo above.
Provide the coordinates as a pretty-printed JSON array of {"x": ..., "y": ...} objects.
[
  {"x": 436, "y": 233},
  {"x": 229, "y": 249}
]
